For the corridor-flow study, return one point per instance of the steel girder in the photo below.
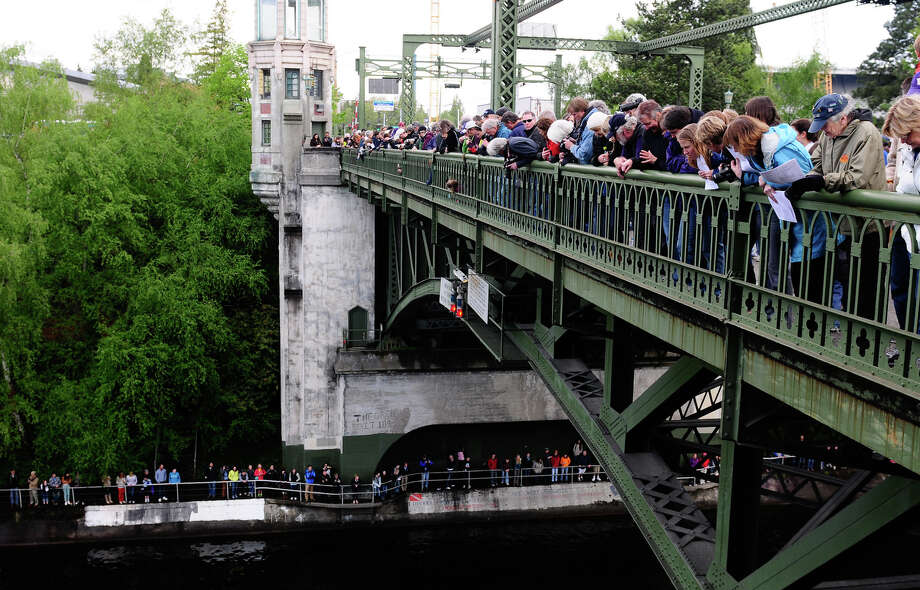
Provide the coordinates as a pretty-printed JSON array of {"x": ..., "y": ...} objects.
[
  {"x": 553, "y": 73},
  {"x": 504, "y": 52},
  {"x": 738, "y": 23},
  {"x": 526, "y": 11}
]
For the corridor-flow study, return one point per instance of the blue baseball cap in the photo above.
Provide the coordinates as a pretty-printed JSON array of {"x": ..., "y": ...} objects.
[{"x": 826, "y": 107}]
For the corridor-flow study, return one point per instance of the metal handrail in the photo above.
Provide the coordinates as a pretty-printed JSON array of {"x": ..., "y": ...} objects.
[{"x": 333, "y": 494}]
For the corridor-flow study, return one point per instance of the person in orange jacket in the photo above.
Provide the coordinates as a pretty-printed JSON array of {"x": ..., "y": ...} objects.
[{"x": 564, "y": 463}]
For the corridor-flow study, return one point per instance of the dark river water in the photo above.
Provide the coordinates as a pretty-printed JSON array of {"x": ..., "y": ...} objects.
[{"x": 534, "y": 554}]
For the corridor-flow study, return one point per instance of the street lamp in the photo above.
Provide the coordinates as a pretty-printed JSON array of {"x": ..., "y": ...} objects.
[{"x": 728, "y": 98}]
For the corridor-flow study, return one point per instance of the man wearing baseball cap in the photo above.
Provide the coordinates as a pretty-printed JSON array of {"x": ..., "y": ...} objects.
[
  {"x": 848, "y": 157},
  {"x": 849, "y": 152}
]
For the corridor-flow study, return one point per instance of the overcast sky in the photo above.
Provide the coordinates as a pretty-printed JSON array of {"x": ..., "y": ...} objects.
[{"x": 65, "y": 29}]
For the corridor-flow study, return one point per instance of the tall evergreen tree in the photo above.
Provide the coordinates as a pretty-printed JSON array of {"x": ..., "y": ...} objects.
[
  {"x": 729, "y": 59},
  {"x": 893, "y": 60},
  {"x": 213, "y": 41}
]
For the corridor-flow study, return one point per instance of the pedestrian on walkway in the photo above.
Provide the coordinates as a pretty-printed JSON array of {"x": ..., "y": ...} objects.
[
  {"x": 130, "y": 485},
  {"x": 120, "y": 484},
  {"x": 13, "y": 484},
  {"x": 107, "y": 488},
  {"x": 34, "y": 484},
  {"x": 309, "y": 478}
]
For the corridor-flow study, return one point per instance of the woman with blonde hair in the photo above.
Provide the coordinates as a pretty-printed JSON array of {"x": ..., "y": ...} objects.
[
  {"x": 766, "y": 148},
  {"x": 903, "y": 123}
]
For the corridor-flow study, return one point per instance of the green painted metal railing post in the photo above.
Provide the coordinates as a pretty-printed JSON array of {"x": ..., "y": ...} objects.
[{"x": 557, "y": 86}]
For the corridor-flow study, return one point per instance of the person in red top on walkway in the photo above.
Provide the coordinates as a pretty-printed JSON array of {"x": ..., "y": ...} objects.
[
  {"x": 259, "y": 474},
  {"x": 554, "y": 463},
  {"x": 492, "y": 464}
]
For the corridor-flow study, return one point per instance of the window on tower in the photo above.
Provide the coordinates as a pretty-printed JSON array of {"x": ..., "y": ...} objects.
[
  {"x": 265, "y": 83},
  {"x": 316, "y": 89},
  {"x": 266, "y": 132},
  {"x": 291, "y": 83},
  {"x": 291, "y": 19},
  {"x": 268, "y": 19},
  {"x": 316, "y": 20}
]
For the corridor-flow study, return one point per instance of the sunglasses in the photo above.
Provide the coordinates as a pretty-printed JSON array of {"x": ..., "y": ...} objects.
[{"x": 527, "y": 120}]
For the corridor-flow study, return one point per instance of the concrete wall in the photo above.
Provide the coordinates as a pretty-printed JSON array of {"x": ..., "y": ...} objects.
[
  {"x": 535, "y": 498},
  {"x": 401, "y": 402},
  {"x": 140, "y": 514}
]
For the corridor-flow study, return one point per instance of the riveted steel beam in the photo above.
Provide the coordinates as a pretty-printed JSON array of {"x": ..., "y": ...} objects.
[{"x": 738, "y": 23}]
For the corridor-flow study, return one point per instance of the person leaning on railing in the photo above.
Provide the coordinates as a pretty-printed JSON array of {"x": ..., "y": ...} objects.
[
  {"x": 766, "y": 148},
  {"x": 848, "y": 157},
  {"x": 903, "y": 123}
]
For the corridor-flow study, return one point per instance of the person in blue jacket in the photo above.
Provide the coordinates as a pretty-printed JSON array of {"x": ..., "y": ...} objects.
[
  {"x": 579, "y": 143},
  {"x": 309, "y": 477},
  {"x": 765, "y": 148},
  {"x": 425, "y": 467}
]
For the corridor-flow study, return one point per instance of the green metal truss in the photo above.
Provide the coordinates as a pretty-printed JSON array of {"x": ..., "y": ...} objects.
[
  {"x": 504, "y": 52},
  {"x": 443, "y": 69},
  {"x": 526, "y": 11},
  {"x": 738, "y": 23},
  {"x": 554, "y": 72}
]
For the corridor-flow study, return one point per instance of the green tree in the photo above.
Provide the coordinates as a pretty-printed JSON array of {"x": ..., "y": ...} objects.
[
  {"x": 729, "y": 57},
  {"x": 213, "y": 42},
  {"x": 141, "y": 53},
  {"x": 138, "y": 322},
  {"x": 228, "y": 82},
  {"x": 31, "y": 99},
  {"x": 894, "y": 59},
  {"x": 794, "y": 90}
]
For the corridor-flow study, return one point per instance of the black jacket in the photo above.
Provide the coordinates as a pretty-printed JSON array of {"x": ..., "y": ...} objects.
[{"x": 654, "y": 141}]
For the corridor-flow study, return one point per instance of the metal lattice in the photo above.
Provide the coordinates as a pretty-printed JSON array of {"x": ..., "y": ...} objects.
[
  {"x": 741, "y": 22},
  {"x": 504, "y": 53},
  {"x": 526, "y": 11}
]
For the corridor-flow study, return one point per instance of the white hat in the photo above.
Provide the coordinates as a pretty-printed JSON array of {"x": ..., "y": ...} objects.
[
  {"x": 559, "y": 129},
  {"x": 496, "y": 146},
  {"x": 597, "y": 120}
]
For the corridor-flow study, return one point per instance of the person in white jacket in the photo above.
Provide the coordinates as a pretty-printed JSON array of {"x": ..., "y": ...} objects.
[{"x": 903, "y": 123}]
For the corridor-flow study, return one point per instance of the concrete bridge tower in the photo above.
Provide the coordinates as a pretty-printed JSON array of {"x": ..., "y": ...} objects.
[{"x": 326, "y": 236}]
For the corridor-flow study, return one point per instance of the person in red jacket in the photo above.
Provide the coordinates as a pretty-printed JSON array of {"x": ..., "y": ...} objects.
[
  {"x": 492, "y": 464},
  {"x": 259, "y": 474},
  {"x": 554, "y": 463}
]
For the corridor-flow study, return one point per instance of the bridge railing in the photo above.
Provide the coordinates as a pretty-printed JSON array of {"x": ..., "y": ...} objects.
[{"x": 822, "y": 284}]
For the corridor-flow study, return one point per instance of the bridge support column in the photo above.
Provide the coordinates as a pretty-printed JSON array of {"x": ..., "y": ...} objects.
[
  {"x": 327, "y": 271},
  {"x": 739, "y": 476}
]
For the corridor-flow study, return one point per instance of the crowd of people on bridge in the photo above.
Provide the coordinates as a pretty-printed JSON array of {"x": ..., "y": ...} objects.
[{"x": 838, "y": 150}]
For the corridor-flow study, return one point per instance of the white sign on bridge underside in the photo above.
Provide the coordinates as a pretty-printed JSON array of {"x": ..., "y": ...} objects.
[
  {"x": 445, "y": 293},
  {"x": 478, "y": 295}
]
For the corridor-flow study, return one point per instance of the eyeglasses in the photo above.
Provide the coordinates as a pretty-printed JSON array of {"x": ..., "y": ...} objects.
[{"x": 527, "y": 120}]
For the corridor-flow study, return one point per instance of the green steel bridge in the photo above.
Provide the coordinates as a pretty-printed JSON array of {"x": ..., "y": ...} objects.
[{"x": 586, "y": 271}]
